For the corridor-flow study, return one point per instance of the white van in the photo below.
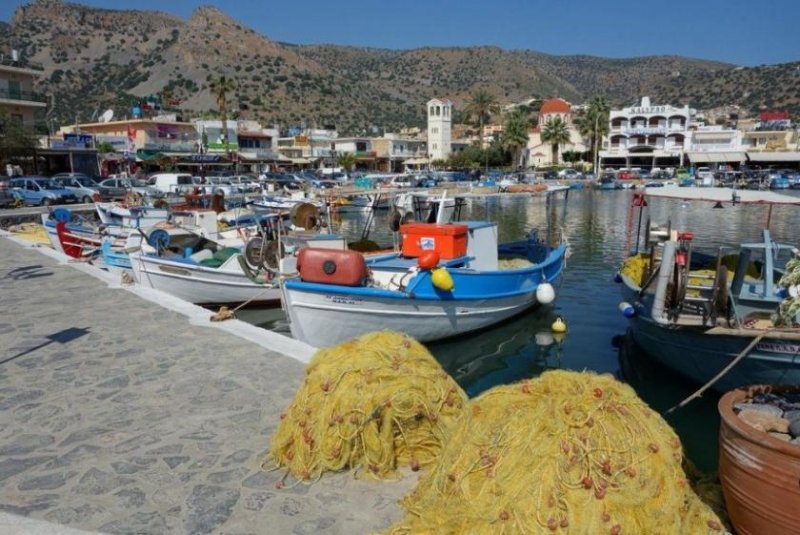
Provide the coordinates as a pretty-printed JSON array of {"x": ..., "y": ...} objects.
[{"x": 172, "y": 182}]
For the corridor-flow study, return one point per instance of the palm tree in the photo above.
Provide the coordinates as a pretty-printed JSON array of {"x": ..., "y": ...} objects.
[
  {"x": 480, "y": 108},
  {"x": 556, "y": 133},
  {"x": 220, "y": 86},
  {"x": 346, "y": 160},
  {"x": 515, "y": 134},
  {"x": 593, "y": 124}
]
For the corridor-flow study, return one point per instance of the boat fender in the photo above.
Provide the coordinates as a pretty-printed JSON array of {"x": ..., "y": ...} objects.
[
  {"x": 442, "y": 280},
  {"x": 559, "y": 326},
  {"x": 627, "y": 309},
  {"x": 545, "y": 294},
  {"x": 428, "y": 259},
  {"x": 617, "y": 278},
  {"x": 62, "y": 214}
]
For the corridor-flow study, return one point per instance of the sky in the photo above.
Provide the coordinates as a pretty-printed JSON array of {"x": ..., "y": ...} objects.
[{"x": 752, "y": 32}]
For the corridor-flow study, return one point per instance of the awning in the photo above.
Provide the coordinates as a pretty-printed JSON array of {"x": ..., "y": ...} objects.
[
  {"x": 300, "y": 161},
  {"x": 716, "y": 157},
  {"x": 262, "y": 157},
  {"x": 786, "y": 156},
  {"x": 416, "y": 161}
]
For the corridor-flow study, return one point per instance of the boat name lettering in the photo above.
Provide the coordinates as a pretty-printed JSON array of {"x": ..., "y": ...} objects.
[
  {"x": 344, "y": 299},
  {"x": 778, "y": 347},
  {"x": 175, "y": 270}
]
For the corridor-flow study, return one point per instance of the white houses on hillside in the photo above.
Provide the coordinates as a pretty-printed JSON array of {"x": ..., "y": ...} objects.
[{"x": 440, "y": 120}]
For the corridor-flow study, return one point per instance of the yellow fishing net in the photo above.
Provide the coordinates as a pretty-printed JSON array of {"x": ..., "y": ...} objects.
[
  {"x": 377, "y": 402},
  {"x": 567, "y": 453},
  {"x": 635, "y": 268}
]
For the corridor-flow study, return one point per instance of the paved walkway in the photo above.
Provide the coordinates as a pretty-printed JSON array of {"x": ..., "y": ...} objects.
[{"x": 121, "y": 416}]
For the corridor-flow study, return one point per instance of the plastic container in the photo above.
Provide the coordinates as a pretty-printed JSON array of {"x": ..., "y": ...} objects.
[
  {"x": 450, "y": 241},
  {"x": 759, "y": 473},
  {"x": 330, "y": 266}
]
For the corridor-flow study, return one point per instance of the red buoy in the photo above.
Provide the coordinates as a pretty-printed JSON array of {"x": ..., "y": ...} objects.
[{"x": 428, "y": 259}]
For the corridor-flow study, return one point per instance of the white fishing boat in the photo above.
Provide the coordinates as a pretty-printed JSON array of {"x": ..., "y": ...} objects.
[{"x": 338, "y": 295}]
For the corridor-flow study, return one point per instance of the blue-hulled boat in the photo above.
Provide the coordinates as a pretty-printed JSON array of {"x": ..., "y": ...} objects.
[
  {"x": 690, "y": 315},
  {"x": 115, "y": 260},
  {"x": 341, "y": 294}
]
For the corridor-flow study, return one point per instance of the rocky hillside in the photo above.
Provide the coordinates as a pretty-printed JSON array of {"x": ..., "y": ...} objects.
[{"x": 98, "y": 58}]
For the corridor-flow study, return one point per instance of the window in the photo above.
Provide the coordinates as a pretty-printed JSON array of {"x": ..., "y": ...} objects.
[
  {"x": 438, "y": 111},
  {"x": 432, "y": 110},
  {"x": 434, "y": 130},
  {"x": 14, "y": 89}
]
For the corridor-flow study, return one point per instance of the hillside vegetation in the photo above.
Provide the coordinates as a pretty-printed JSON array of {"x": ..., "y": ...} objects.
[{"x": 99, "y": 58}]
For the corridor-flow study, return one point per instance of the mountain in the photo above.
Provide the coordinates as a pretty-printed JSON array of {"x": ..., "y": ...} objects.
[{"x": 100, "y": 58}]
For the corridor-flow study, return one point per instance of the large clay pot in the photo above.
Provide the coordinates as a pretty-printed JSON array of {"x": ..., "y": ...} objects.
[{"x": 760, "y": 474}]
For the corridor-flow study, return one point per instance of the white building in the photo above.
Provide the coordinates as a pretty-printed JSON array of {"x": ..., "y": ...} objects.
[
  {"x": 715, "y": 146},
  {"x": 440, "y": 119},
  {"x": 647, "y": 136}
]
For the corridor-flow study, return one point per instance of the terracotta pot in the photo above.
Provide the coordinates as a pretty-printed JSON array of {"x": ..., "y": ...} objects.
[{"x": 760, "y": 474}]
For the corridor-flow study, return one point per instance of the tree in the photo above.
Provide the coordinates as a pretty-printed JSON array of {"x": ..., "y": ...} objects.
[
  {"x": 515, "y": 134},
  {"x": 220, "y": 86},
  {"x": 346, "y": 160},
  {"x": 593, "y": 124},
  {"x": 480, "y": 109},
  {"x": 556, "y": 133}
]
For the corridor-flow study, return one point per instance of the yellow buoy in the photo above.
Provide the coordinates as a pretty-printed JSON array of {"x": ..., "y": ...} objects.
[
  {"x": 442, "y": 280},
  {"x": 559, "y": 326}
]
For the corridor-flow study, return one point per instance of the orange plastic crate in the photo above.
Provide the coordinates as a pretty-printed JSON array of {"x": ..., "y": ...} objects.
[{"x": 450, "y": 241}]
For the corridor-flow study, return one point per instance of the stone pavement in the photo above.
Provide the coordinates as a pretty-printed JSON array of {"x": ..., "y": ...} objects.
[{"x": 120, "y": 416}]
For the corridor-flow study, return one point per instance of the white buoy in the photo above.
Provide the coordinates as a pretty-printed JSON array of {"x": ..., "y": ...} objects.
[
  {"x": 627, "y": 309},
  {"x": 545, "y": 294}
]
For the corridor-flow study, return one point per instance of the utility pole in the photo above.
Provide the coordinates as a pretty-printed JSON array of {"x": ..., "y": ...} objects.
[{"x": 597, "y": 146}]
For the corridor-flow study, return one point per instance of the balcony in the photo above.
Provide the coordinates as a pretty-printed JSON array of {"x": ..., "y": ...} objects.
[{"x": 18, "y": 96}]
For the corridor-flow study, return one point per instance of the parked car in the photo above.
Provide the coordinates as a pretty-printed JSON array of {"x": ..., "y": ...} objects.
[
  {"x": 86, "y": 189},
  {"x": 428, "y": 181},
  {"x": 132, "y": 184},
  {"x": 40, "y": 191},
  {"x": 403, "y": 181},
  {"x": 245, "y": 183},
  {"x": 625, "y": 174},
  {"x": 179, "y": 183},
  {"x": 109, "y": 192},
  {"x": 570, "y": 174}
]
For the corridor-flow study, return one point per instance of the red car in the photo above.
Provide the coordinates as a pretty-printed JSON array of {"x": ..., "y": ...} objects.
[{"x": 625, "y": 175}]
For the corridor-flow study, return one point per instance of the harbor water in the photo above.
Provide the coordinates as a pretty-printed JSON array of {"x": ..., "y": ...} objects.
[{"x": 599, "y": 227}]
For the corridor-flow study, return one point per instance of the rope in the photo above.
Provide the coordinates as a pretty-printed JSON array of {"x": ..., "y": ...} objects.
[{"x": 720, "y": 375}]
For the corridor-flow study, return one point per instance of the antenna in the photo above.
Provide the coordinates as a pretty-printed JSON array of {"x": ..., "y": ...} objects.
[{"x": 107, "y": 116}]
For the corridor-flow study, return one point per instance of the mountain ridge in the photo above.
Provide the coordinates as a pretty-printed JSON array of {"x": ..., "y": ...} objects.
[{"x": 96, "y": 58}]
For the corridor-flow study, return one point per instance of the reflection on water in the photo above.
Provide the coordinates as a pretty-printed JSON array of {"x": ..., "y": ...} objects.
[{"x": 596, "y": 224}]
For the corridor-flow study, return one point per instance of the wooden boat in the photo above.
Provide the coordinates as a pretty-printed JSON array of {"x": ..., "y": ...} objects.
[
  {"x": 333, "y": 299},
  {"x": 701, "y": 321},
  {"x": 758, "y": 472},
  {"x": 192, "y": 267}
]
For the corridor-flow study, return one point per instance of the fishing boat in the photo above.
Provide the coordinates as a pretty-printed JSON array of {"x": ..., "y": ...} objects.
[
  {"x": 116, "y": 214},
  {"x": 607, "y": 182},
  {"x": 243, "y": 268},
  {"x": 689, "y": 312},
  {"x": 448, "y": 279}
]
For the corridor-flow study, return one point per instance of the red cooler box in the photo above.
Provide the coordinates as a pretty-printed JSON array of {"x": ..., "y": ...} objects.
[
  {"x": 331, "y": 266},
  {"x": 450, "y": 241}
]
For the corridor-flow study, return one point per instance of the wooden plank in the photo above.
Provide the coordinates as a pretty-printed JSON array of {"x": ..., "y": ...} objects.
[{"x": 776, "y": 334}]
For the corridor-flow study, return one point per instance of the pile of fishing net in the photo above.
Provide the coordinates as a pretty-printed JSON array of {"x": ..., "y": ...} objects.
[
  {"x": 567, "y": 452},
  {"x": 378, "y": 402},
  {"x": 635, "y": 268},
  {"x": 788, "y": 313}
]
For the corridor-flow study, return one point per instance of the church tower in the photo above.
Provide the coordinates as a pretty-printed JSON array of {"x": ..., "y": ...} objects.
[{"x": 440, "y": 119}]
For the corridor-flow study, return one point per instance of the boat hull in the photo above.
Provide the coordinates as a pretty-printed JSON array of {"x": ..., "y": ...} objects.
[
  {"x": 201, "y": 285},
  {"x": 699, "y": 356},
  {"x": 318, "y": 318},
  {"x": 324, "y": 314}
]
